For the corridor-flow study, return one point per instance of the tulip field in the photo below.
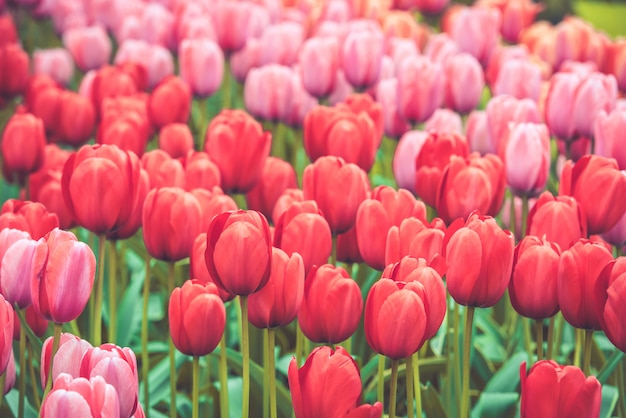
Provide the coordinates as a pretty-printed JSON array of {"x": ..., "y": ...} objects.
[{"x": 312, "y": 209}]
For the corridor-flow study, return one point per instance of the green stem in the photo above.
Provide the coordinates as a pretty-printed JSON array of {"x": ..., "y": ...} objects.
[
  {"x": 56, "y": 339},
  {"x": 226, "y": 86},
  {"x": 527, "y": 339},
  {"x": 467, "y": 339},
  {"x": 266, "y": 374},
  {"x": 97, "y": 316},
  {"x": 393, "y": 389},
  {"x": 457, "y": 349},
  {"x": 539, "y": 331},
  {"x": 31, "y": 373},
  {"x": 347, "y": 344},
  {"x": 587, "y": 354},
  {"x": 558, "y": 335},
  {"x": 201, "y": 123},
  {"x": 618, "y": 251},
  {"x": 145, "y": 356},
  {"x": 112, "y": 291},
  {"x": 621, "y": 389},
  {"x": 417, "y": 385},
  {"x": 333, "y": 254},
  {"x": 299, "y": 344},
  {"x": 524, "y": 215},
  {"x": 409, "y": 388},
  {"x": 172, "y": 350},
  {"x": 551, "y": 337},
  {"x": 512, "y": 219},
  {"x": 223, "y": 372},
  {"x": 381, "y": 378},
  {"x": 20, "y": 409},
  {"x": 245, "y": 354},
  {"x": 578, "y": 335},
  {"x": 196, "y": 386},
  {"x": 271, "y": 342},
  {"x": 3, "y": 378}
]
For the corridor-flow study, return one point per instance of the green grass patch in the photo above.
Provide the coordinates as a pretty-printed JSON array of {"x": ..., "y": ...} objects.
[{"x": 609, "y": 17}]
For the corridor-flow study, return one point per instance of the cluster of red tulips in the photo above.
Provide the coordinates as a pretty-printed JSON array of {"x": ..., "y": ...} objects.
[{"x": 377, "y": 197}]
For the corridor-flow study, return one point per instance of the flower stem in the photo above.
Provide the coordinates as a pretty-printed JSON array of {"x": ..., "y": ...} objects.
[
  {"x": 551, "y": 337},
  {"x": 333, "y": 254},
  {"x": 31, "y": 373},
  {"x": 512, "y": 216},
  {"x": 524, "y": 215},
  {"x": 172, "y": 350},
  {"x": 97, "y": 316},
  {"x": 145, "y": 357},
  {"x": 417, "y": 385},
  {"x": 381, "y": 378},
  {"x": 245, "y": 354},
  {"x": 299, "y": 344},
  {"x": 112, "y": 291},
  {"x": 587, "y": 352},
  {"x": 539, "y": 330},
  {"x": 55, "y": 347},
  {"x": 196, "y": 386},
  {"x": 3, "y": 378},
  {"x": 467, "y": 339},
  {"x": 266, "y": 374},
  {"x": 226, "y": 86},
  {"x": 271, "y": 342},
  {"x": 224, "y": 410},
  {"x": 457, "y": 349},
  {"x": 393, "y": 389},
  {"x": 20, "y": 409},
  {"x": 409, "y": 388}
]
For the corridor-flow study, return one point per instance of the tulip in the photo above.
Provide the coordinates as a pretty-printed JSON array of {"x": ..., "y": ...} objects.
[
  {"x": 134, "y": 221},
  {"x": 172, "y": 93},
  {"x": 59, "y": 293},
  {"x": 232, "y": 25},
  {"x": 480, "y": 260},
  {"x": 332, "y": 305},
  {"x": 77, "y": 119},
  {"x": 157, "y": 60},
  {"x": 239, "y": 147},
  {"x": 176, "y": 139},
  {"x": 8, "y": 31},
  {"x": 596, "y": 182},
  {"x": 550, "y": 390},
  {"x": 301, "y": 103},
  {"x": 596, "y": 93},
  {"x": 430, "y": 7},
  {"x": 192, "y": 306},
  {"x": 16, "y": 265},
  {"x": 464, "y": 82},
  {"x": 319, "y": 63},
  {"x": 616, "y": 63},
  {"x": 475, "y": 30},
  {"x": 407, "y": 150},
  {"x": 13, "y": 70},
  {"x": 42, "y": 97},
  {"x": 520, "y": 78},
  {"x": 277, "y": 176},
  {"x": 67, "y": 358},
  {"x": 504, "y": 112},
  {"x": 6, "y": 333},
  {"x": 90, "y": 46},
  {"x": 154, "y": 23},
  {"x": 421, "y": 88},
  {"x": 532, "y": 288},
  {"x": 579, "y": 271},
  {"x": 56, "y": 62},
  {"x": 111, "y": 81},
  {"x": 386, "y": 208},
  {"x": 268, "y": 92},
  {"x": 616, "y": 236},
  {"x": 242, "y": 61},
  {"x": 445, "y": 121},
  {"x": 171, "y": 220},
  {"x": 386, "y": 94},
  {"x": 280, "y": 43},
  {"x": 163, "y": 170},
  {"x": 560, "y": 219},
  {"x": 201, "y": 172},
  {"x": 474, "y": 183},
  {"x": 23, "y": 142},
  {"x": 36, "y": 323},
  {"x": 198, "y": 269},
  {"x": 608, "y": 301},
  {"x": 440, "y": 48},
  {"x": 347, "y": 250},
  {"x": 559, "y": 103},
  {"x": 326, "y": 369},
  {"x": 577, "y": 40},
  {"x": 118, "y": 367},
  {"x": 28, "y": 216},
  {"x": 239, "y": 251},
  {"x": 607, "y": 133},
  {"x": 527, "y": 159},
  {"x": 81, "y": 397},
  {"x": 98, "y": 183},
  {"x": 278, "y": 302},
  {"x": 361, "y": 58},
  {"x": 201, "y": 66},
  {"x": 285, "y": 200},
  {"x": 213, "y": 202}
]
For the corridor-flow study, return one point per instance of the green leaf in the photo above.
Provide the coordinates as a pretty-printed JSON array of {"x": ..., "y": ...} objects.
[
  {"x": 507, "y": 378},
  {"x": 496, "y": 405},
  {"x": 609, "y": 400},
  {"x": 431, "y": 402},
  {"x": 159, "y": 378},
  {"x": 12, "y": 400},
  {"x": 129, "y": 310},
  {"x": 610, "y": 365}
]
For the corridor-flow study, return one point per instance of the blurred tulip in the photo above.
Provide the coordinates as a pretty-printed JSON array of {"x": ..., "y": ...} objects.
[
  {"x": 163, "y": 170},
  {"x": 237, "y": 144},
  {"x": 90, "y": 46},
  {"x": 464, "y": 83},
  {"x": 176, "y": 139},
  {"x": 281, "y": 43},
  {"x": 23, "y": 142},
  {"x": 407, "y": 151},
  {"x": 59, "y": 293},
  {"x": 364, "y": 103},
  {"x": 154, "y": 24},
  {"x": 201, "y": 172},
  {"x": 6, "y": 333},
  {"x": 37, "y": 323},
  {"x": 478, "y": 138},
  {"x": 430, "y": 7},
  {"x": 268, "y": 92},
  {"x": 8, "y": 31},
  {"x": 14, "y": 65},
  {"x": 386, "y": 94},
  {"x": 277, "y": 176},
  {"x": 332, "y": 305},
  {"x": 476, "y": 30},
  {"x": 445, "y": 121},
  {"x": 348, "y": 247},
  {"x": 111, "y": 81},
  {"x": 285, "y": 200},
  {"x": 527, "y": 159},
  {"x": 516, "y": 16},
  {"x": 170, "y": 102},
  {"x": 608, "y": 129},
  {"x": 191, "y": 306},
  {"x": 319, "y": 62},
  {"x": 421, "y": 88},
  {"x": 157, "y": 60},
  {"x": 559, "y": 219},
  {"x": 361, "y": 58},
  {"x": 503, "y": 113},
  {"x": 616, "y": 236},
  {"x": 243, "y": 236},
  {"x": 472, "y": 282},
  {"x": 81, "y": 397},
  {"x": 201, "y": 65},
  {"x": 77, "y": 119},
  {"x": 550, "y": 390},
  {"x": 55, "y": 62},
  {"x": 520, "y": 78},
  {"x": 232, "y": 22},
  {"x": 616, "y": 62}
]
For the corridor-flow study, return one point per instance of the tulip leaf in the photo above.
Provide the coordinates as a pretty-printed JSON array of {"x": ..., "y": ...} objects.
[
  {"x": 496, "y": 405},
  {"x": 129, "y": 311},
  {"x": 610, "y": 395},
  {"x": 431, "y": 402},
  {"x": 159, "y": 378},
  {"x": 611, "y": 364},
  {"x": 12, "y": 399},
  {"x": 507, "y": 378}
]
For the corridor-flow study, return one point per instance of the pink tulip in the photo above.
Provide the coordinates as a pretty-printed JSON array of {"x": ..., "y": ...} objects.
[
  {"x": 233, "y": 23},
  {"x": 404, "y": 159},
  {"x": 6, "y": 333},
  {"x": 268, "y": 91},
  {"x": 503, "y": 112},
  {"x": 157, "y": 60},
  {"x": 81, "y": 397},
  {"x": 362, "y": 57},
  {"x": 90, "y": 47},
  {"x": 55, "y": 62},
  {"x": 464, "y": 83},
  {"x": 201, "y": 65},
  {"x": 17, "y": 254},
  {"x": 445, "y": 120},
  {"x": 386, "y": 94},
  {"x": 281, "y": 43},
  {"x": 319, "y": 62},
  {"x": 67, "y": 359},
  {"x": 421, "y": 84},
  {"x": 596, "y": 93},
  {"x": 608, "y": 131},
  {"x": 616, "y": 62},
  {"x": 519, "y": 78},
  {"x": 475, "y": 30},
  {"x": 527, "y": 158}
]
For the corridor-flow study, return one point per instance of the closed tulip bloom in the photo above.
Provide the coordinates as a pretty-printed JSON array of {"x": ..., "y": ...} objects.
[
  {"x": 14, "y": 65},
  {"x": 533, "y": 282},
  {"x": 445, "y": 121},
  {"x": 527, "y": 159},
  {"x": 8, "y": 31},
  {"x": 559, "y": 102},
  {"x": 280, "y": 43},
  {"x": 278, "y": 302},
  {"x": 338, "y": 188},
  {"x": 431, "y": 161},
  {"x": 98, "y": 183},
  {"x": 176, "y": 139},
  {"x": 155, "y": 59},
  {"x": 163, "y": 170},
  {"x": 579, "y": 271},
  {"x": 319, "y": 63},
  {"x": 63, "y": 275},
  {"x": 111, "y": 81},
  {"x": 56, "y": 62},
  {"x": 480, "y": 260},
  {"x": 196, "y": 306},
  {"x": 596, "y": 182},
  {"x": 170, "y": 102},
  {"x": 171, "y": 221},
  {"x": 609, "y": 302},
  {"x": 551, "y": 390},
  {"x": 302, "y": 229},
  {"x": 237, "y": 144},
  {"x": 81, "y": 397},
  {"x": 243, "y": 236},
  {"x": 476, "y": 30},
  {"x": 362, "y": 55},
  {"x": 268, "y": 92},
  {"x": 520, "y": 78},
  {"x": 328, "y": 385},
  {"x": 201, "y": 65},
  {"x": 131, "y": 111},
  {"x": 464, "y": 82},
  {"x": 201, "y": 172},
  {"x": 616, "y": 236},
  {"x": 118, "y": 367},
  {"x": 386, "y": 94},
  {"x": 616, "y": 62},
  {"x": 16, "y": 265},
  {"x": 332, "y": 305},
  {"x": 348, "y": 247},
  {"x": 213, "y": 202},
  {"x": 66, "y": 360},
  {"x": 77, "y": 119},
  {"x": 285, "y": 200},
  {"x": 608, "y": 134},
  {"x": 505, "y": 111},
  {"x": 197, "y": 266},
  {"x": 23, "y": 142},
  {"x": 407, "y": 150},
  {"x": 478, "y": 138},
  {"x": 376, "y": 215},
  {"x": 28, "y": 216},
  {"x": 90, "y": 46},
  {"x": 421, "y": 88},
  {"x": 596, "y": 93},
  {"x": 277, "y": 176},
  {"x": 231, "y": 22},
  {"x": 560, "y": 219},
  {"x": 6, "y": 333},
  {"x": 475, "y": 183},
  {"x": 134, "y": 221}
]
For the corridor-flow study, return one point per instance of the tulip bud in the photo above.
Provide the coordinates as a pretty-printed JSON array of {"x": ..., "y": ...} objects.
[{"x": 23, "y": 142}]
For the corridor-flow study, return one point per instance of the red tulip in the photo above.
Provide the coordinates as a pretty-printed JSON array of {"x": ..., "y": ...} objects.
[
  {"x": 358, "y": 103},
  {"x": 285, "y": 200},
  {"x": 176, "y": 139},
  {"x": 8, "y": 31},
  {"x": 66, "y": 360},
  {"x": 277, "y": 176},
  {"x": 338, "y": 188},
  {"x": 237, "y": 144},
  {"x": 13, "y": 70},
  {"x": 42, "y": 97},
  {"x": 348, "y": 247},
  {"x": 171, "y": 219},
  {"x": 597, "y": 184},
  {"x": 81, "y": 397},
  {"x": 239, "y": 251},
  {"x": 616, "y": 62},
  {"x": 332, "y": 305},
  {"x": 62, "y": 276},
  {"x": 28, "y": 216},
  {"x": 125, "y": 123},
  {"x": 550, "y": 390},
  {"x": 111, "y": 81},
  {"x": 192, "y": 306},
  {"x": 328, "y": 385},
  {"x": 23, "y": 142},
  {"x": 609, "y": 301},
  {"x": 278, "y": 302},
  {"x": 197, "y": 266},
  {"x": 77, "y": 119},
  {"x": 480, "y": 259},
  {"x": 98, "y": 184},
  {"x": 172, "y": 93},
  {"x": 163, "y": 170},
  {"x": 134, "y": 221},
  {"x": 201, "y": 172},
  {"x": 560, "y": 219},
  {"x": 6, "y": 333},
  {"x": 532, "y": 287},
  {"x": 578, "y": 273}
]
